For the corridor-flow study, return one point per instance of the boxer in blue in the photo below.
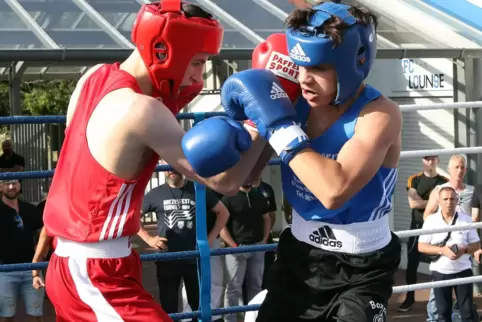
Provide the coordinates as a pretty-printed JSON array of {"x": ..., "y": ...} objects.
[{"x": 340, "y": 148}]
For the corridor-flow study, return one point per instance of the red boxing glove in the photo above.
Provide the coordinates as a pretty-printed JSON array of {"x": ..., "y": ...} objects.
[
  {"x": 186, "y": 95},
  {"x": 272, "y": 54}
]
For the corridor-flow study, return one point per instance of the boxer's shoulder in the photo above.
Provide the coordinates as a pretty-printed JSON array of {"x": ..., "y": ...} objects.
[
  {"x": 78, "y": 88},
  {"x": 382, "y": 108}
]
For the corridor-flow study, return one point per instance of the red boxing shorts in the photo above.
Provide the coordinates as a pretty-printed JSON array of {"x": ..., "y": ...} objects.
[{"x": 92, "y": 282}]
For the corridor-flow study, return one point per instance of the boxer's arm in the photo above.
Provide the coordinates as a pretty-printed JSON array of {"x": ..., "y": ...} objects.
[
  {"x": 76, "y": 93},
  {"x": 156, "y": 127},
  {"x": 262, "y": 162},
  {"x": 432, "y": 203},
  {"x": 334, "y": 182}
]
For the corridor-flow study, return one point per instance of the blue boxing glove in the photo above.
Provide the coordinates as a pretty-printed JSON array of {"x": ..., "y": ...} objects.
[
  {"x": 214, "y": 145},
  {"x": 256, "y": 94}
]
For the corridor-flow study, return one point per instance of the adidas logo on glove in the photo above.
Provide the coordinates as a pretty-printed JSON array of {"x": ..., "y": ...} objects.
[
  {"x": 277, "y": 92},
  {"x": 298, "y": 53},
  {"x": 325, "y": 236}
]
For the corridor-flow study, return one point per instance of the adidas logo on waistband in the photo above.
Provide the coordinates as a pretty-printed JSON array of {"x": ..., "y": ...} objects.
[
  {"x": 325, "y": 236},
  {"x": 277, "y": 92},
  {"x": 298, "y": 53}
]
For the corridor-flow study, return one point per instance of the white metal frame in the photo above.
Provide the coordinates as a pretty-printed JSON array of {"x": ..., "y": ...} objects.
[
  {"x": 104, "y": 24},
  {"x": 402, "y": 13},
  {"x": 39, "y": 32}
]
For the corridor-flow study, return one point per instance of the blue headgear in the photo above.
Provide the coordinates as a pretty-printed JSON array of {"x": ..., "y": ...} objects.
[{"x": 310, "y": 47}]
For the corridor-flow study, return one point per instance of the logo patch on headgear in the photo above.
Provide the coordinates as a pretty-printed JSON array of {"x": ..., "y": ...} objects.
[
  {"x": 282, "y": 66},
  {"x": 299, "y": 54}
]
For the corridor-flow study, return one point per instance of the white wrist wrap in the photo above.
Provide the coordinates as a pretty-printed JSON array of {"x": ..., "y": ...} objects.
[
  {"x": 283, "y": 137},
  {"x": 248, "y": 127}
]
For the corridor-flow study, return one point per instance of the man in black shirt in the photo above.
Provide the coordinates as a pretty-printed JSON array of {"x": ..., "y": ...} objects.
[
  {"x": 10, "y": 161},
  {"x": 476, "y": 205},
  {"x": 419, "y": 187},
  {"x": 249, "y": 224},
  {"x": 268, "y": 193},
  {"x": 175, "y": 206},
  {"x": 19, "y": 223}
]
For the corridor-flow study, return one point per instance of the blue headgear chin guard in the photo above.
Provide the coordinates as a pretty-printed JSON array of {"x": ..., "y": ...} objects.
[{"x": 310, "y": 47}]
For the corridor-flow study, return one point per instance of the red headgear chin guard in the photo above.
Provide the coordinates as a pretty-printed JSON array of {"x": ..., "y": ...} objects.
[{"x": 167, "y": 41}]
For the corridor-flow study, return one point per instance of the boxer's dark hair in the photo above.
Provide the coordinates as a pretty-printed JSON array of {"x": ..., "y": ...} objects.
[
  {"x": 193, "y": 11},
  {"x": 332, "y": 27}
]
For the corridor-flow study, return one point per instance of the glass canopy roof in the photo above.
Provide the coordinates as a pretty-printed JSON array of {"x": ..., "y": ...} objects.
[{"x": 91, "y": 24}]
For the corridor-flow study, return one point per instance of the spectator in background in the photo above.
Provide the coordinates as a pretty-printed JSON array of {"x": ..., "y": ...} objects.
[
  {"x": 10, "y": 161},
  {"x": 287, "y": 210},
  {"x": 267, "y": 191},
  {"x": 43, "y": 251},
  {"x": 457, "y": 168},
  {"x": 419, "y": 187},
  {"x": 19, "y": 224},
  {"x": 249, "y": 224},
  {"x": 175, "y": 206},
  {"x": 476, "y": 204},
  {"x": 454, "y": 250}
]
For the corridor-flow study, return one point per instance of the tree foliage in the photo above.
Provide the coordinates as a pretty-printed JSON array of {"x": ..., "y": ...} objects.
[
  {"x": 39, "y": 97},
  {"x": 4, "y": 99},
  {"x": 46, "y": 97}
]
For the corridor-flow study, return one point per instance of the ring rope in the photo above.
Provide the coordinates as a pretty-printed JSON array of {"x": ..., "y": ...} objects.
[
  {"x": 419, "y": 232},
  {"x": 241, "y": 249},
  {"x": 275, "y": 161},
  {"x": 396, "y": 290},
  {"x": 49, "y": 119},
  {"x": 442, "y": 106}
]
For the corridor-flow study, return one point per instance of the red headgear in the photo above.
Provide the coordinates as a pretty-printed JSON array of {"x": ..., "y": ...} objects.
[{"x": 167, "y": 41}]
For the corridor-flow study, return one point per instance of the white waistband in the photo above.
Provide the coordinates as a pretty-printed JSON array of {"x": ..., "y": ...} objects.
[
  {"x": 356, "y": 238},
  {"x": 114, "y": 248}
]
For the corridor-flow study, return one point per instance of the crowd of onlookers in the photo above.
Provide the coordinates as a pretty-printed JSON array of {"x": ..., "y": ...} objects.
[
  {"x": 248, "y": 219},
  {"x": 438, "y": 202}
]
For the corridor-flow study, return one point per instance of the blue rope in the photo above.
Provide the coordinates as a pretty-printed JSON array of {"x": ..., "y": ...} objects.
[
  {"x": 49, "y": 173},
  {"x": 204, "y": 267},
  {"x": 53, "y": 119},
  {"x": 169, "y": 256}
]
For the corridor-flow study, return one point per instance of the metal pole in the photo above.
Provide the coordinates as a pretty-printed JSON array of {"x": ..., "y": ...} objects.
[
  {"x": 38, "y": 31},
  {"x": 230, "y": 20}
]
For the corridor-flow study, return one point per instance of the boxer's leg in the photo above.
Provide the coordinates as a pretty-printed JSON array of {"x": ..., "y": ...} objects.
[
  {"x": 365, "y": 304},
  {"x": 293, "y": 290},
  {"x": 370, "y": 280},
  {"x": 101, "y": 290}
]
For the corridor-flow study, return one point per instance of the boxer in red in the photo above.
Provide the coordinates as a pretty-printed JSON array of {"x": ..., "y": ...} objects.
[{"x": 120, "y": 121}]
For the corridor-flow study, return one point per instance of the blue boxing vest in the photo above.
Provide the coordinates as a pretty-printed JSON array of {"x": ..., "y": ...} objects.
[{"x": 372, "y": 202}]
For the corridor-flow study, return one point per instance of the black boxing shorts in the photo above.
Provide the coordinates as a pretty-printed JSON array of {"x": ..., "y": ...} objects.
[{"x": 311, "y": 284}]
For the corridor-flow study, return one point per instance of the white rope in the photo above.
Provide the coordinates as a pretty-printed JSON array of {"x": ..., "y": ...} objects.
[
  {"x": 418, "y": 232},
  {"x": 422, "y": 153},
  {"x": 441, "y": 106},
  {"x": 422, "y": 286}
]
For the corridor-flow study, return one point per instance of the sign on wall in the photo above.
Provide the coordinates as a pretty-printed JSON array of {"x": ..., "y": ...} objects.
[{"x": 410, "y": 77}]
